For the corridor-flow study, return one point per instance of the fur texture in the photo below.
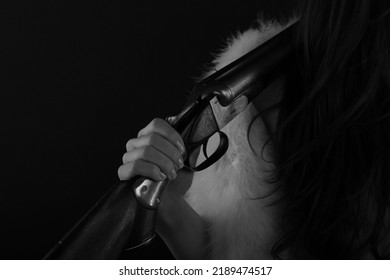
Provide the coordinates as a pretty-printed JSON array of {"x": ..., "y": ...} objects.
[{"x": 240, "y": 226}]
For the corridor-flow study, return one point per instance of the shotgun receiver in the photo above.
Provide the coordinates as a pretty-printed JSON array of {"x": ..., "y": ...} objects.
[{"x": 125, "y": 216}]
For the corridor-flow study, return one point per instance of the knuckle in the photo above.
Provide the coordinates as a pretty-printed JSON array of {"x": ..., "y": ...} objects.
[
  {"x": 153, "y": 124},
  {"x": 146, "y": 152},
  {"x": 129, "y": 144},
  {"x": 151, "y": 139},
  {"x": 156, "y": 122},
  {"x": 124, "y": 157}
]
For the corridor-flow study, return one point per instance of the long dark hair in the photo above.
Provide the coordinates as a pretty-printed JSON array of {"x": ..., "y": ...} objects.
[{"x": 333, "y": 137}]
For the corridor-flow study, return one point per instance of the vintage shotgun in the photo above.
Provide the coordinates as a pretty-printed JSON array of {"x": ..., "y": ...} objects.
[{"x": 125, "y": 217}]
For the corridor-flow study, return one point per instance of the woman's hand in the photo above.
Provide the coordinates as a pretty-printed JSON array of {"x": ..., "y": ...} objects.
[{"x": 156, "y": 153}]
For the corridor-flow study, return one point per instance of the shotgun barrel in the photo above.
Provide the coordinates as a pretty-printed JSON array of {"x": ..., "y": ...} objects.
[{"x": 122, "y": 219}]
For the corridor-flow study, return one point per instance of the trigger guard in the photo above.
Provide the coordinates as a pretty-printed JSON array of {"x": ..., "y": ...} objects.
[{"x": 221, "y": 150}]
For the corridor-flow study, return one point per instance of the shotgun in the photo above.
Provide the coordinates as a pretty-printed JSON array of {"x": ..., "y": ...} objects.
[{"x": 124, "y": 218}]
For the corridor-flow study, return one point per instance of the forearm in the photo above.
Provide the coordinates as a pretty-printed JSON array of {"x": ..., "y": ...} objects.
[{"x": 182, "y": 229}]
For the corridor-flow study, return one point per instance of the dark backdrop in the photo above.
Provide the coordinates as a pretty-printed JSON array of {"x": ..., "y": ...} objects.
[{"x": 78, "y": 79}]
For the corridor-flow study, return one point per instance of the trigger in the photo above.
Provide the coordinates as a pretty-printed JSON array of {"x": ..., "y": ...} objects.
[{"x": 205, "y": 148}]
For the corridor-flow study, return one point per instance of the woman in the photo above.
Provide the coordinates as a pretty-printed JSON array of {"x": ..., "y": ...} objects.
[{"x": 307, "y": 178}]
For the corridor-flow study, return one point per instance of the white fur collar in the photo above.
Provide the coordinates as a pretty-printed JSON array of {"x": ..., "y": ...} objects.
[{"x": 239, "y": 226}]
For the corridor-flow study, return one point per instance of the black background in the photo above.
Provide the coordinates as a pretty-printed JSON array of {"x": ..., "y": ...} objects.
[{"x": 80, "y": 78}]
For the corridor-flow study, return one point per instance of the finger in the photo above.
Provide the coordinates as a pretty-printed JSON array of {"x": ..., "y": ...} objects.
[
  {"x": 166, "y": 130},
  {"x": 152, "y": 155},
  {"x": 142, "y": 168},
  {"x": 160, "y": 143}
]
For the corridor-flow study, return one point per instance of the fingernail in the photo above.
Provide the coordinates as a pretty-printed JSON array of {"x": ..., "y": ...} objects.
[
  {"x": 173, "y": 174},
  {"x": 162, "y": 176},
  {"x": 181, "y": 148},
  {"x": 181, "y": 163}
]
